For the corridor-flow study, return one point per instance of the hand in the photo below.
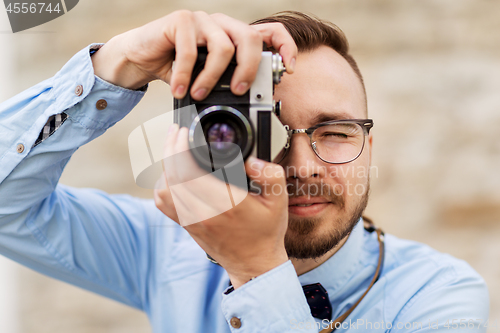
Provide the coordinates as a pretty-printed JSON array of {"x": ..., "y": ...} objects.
[
  {"x": 248, "y": 239},
  {"x": 145, "y": 54}
]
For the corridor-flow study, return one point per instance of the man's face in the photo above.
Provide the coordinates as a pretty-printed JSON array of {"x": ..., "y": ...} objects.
[{"x": 326, "y": 200}]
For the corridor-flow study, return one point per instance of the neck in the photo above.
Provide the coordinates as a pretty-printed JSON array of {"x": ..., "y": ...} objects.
[{"x": 305, "y": 265}]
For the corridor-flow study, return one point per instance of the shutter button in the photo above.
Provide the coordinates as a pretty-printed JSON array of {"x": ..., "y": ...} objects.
[
  {"x": 79, "y": 90},
  {"x": 101, "y": 104},
  {"x": 235, "y": 322},
  {"x": 20, "y": 148}
]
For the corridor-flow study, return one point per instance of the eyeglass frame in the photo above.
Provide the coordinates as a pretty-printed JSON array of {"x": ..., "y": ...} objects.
[{"x": 366, "y": 125}]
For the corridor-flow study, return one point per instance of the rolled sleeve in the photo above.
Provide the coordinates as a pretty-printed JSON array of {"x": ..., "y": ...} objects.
[
  {"x": 24, "y": 116},
  {"x": 74, "y": 90}
]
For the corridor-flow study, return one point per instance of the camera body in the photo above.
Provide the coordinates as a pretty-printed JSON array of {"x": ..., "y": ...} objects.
[{"x": 224, "y": 125}]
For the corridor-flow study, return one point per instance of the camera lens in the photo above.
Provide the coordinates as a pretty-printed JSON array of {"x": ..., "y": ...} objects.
[
  {"x": 221, "y": 136},
  {"x": 218, "y": 135}
]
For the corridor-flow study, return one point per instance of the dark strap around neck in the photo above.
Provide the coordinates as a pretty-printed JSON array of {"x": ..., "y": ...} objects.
[{"x": 369, "y": 226}]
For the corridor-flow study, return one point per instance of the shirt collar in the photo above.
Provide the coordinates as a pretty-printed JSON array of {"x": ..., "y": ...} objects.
[{"x": 340, "y": 267}]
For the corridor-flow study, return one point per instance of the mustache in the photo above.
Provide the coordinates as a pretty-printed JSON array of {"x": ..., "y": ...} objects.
[{"x": 316, "y": 189}]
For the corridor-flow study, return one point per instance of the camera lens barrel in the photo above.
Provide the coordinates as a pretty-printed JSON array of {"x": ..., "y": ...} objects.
[{"x": 218, "y": 134}]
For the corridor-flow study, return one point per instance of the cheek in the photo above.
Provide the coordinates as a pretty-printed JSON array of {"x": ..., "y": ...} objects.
[
  {"x": 351, "y": 178},
  {"x": 351, "y": 172}
]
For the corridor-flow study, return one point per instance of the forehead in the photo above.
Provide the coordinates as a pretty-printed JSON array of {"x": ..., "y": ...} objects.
[{"x": 323, "y": 87}]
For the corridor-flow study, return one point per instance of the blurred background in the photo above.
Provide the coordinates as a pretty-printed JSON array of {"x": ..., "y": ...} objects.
[{"x": 432, "y": 73}]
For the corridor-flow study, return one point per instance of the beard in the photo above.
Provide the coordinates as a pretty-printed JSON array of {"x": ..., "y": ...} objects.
[{"x": 300, "y": 242}]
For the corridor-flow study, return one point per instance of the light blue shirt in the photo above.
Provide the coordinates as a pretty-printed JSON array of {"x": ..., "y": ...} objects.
[{"x": 125, "y": 249}]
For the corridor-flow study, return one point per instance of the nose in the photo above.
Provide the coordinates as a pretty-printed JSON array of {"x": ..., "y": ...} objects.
[{"x": 301, "y": 161}]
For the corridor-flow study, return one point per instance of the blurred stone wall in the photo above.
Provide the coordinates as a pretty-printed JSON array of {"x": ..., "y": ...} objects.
[{"x": 432, "y": 72}]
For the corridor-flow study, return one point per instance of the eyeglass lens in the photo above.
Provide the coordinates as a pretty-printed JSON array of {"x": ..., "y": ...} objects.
[{"x": 335, "y": 143}]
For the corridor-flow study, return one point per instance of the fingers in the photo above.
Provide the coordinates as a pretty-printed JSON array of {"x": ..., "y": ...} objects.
[
  {"x": 187, "y": 30},
  {"x": 223, "y": 36},
  {"x": 269, "y": 176},
  {"x": 276, "y": 35},
  {"x": 196, "y": 194},
  {"x": 178, "y": 163},
  {"x": 171, "y": 138},
  {"x": 184, "y": 38},
  {"x": 248, "y": 42},
  {"x": 148, "y": 52},
  {"x": 220, "y": 52}
]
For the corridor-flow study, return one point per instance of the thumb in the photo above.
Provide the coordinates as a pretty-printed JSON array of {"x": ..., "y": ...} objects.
[{"x": 270, "y": 177}]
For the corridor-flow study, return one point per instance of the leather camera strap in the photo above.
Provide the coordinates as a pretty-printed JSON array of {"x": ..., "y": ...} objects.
[{"x": 369, "y": 226}]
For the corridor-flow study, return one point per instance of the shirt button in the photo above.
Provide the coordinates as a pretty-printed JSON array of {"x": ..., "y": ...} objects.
[
  {"x": 235, "y": 322},
  {"x": 20, "y": 148},
  {"x": 101, "y": 104},
  {"x": 79, "y": 90}
]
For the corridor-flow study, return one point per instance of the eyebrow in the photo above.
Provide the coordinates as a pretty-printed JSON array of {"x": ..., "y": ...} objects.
[{"x": 322, "y": 117}]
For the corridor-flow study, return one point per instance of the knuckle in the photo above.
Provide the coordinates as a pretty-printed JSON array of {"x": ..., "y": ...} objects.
[
  {"x": 184, "y": 15},
  {"x": 200, "y": 13},
  {"x": 282, "y": 28},
  {"x": 278, "y": 26},
  {"x": 254, "y": 35},
  {"x": 217, "y": 16},
  {"x": 226, "y": 49}
]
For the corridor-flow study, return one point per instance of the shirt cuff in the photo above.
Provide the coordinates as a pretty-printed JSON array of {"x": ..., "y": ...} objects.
[
  {"x": 92, "y": 102},
  {"x": 272, "y": 302}
]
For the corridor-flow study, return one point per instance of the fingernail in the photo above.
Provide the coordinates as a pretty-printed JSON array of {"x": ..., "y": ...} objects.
[
  {"x": 242, "y": 87},
  {"x": 180, "y": 90},
  {"x": 255, "y": 163},
  {"x": 292, "y": 64},
  {"x": 200, "y": 93}
]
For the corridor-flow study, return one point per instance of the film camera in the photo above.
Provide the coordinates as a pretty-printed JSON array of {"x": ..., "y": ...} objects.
[{"x": 223, "y": 125}]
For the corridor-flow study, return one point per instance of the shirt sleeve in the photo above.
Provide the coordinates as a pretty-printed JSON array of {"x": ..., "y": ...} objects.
[
  {"x": 456, "y": 299},
  {"x": 273, "y": 302},
  {"x": 84, "y": 237}
]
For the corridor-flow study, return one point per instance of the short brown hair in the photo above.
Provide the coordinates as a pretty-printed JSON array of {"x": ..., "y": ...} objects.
[{"x": 310, "y": 32}]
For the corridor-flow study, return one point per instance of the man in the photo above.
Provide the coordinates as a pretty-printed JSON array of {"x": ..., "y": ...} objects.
[{"x": 278, "y": 255}]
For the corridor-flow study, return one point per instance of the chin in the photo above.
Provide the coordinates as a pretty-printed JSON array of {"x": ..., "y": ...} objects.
[{"x": 310, "y": 237}]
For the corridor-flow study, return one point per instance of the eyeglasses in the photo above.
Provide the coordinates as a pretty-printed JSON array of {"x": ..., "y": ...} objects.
[{"x": 335, "y": 142}]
